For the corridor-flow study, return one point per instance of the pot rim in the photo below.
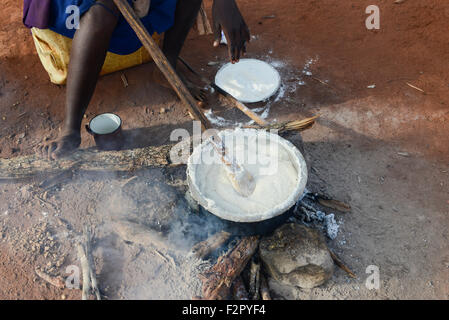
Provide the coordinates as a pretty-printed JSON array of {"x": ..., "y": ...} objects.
[{"x": 295, "y": 156}]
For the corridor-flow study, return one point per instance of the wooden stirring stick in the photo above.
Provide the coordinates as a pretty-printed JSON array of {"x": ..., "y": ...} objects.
[{"x": 240, "y": 178}]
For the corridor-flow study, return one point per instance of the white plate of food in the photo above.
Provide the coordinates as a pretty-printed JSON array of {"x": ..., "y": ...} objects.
[{"x": 249, "y": 80}]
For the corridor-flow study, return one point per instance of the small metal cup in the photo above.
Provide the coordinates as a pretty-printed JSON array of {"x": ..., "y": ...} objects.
[{"x": 106, "y": 128}]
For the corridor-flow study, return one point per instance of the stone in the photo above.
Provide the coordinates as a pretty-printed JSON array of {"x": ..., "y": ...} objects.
[{"x": 296, "y": 255}]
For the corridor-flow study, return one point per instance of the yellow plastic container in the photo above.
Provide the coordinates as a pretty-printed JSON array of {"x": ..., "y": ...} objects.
[{"x": 54, "y": 52}]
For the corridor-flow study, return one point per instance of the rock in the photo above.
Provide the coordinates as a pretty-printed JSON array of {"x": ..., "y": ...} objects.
[{"x": 296, "y": 255}]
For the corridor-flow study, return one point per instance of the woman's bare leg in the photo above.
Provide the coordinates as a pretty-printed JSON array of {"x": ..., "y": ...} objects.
[
  {"x": 174, "y": 39},
  {"x": 88, "y": 53},
  {"x": 185, "y": 16}
]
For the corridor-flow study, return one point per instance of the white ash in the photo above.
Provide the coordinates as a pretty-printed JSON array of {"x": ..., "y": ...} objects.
[
  {"x": 331, "y": 226},
  {"x": 217, "y": 120},
  {"x": 281, "y": 93},
  {"x": 306, "y": 213}
]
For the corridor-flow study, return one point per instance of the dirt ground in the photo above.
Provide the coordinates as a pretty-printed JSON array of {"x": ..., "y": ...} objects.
[{"x": 380, "y": 145}]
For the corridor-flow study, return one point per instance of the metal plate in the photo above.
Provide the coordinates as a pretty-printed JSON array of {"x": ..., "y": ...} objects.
[{"x": 249, "y": 80}]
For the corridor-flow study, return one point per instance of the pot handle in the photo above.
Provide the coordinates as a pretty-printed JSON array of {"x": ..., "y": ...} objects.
[{"x": 89, "y": 130}]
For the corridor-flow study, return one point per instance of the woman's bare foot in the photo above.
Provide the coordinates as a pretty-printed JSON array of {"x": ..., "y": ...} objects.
[
  {"x": 65, "y": 144},
  {"x": 200, "y": 94}
]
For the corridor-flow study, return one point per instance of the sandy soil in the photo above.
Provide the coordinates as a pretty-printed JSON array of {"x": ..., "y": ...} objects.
[{"x": 384, "y": 150}]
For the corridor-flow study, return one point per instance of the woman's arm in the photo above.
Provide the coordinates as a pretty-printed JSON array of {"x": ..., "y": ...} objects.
[{"x": 227, "y": 17}]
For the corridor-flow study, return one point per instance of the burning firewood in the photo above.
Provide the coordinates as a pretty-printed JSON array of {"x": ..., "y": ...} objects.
[
  {"x": 218, "y": 279},
  {"x": 204, "y": 248},
  {"x": 238, "y": 289}
]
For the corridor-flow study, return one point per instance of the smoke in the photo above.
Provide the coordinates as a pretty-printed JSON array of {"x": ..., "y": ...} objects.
[
  {"x": 149, "y": 261},
  {"x": 154, "y": 264}
]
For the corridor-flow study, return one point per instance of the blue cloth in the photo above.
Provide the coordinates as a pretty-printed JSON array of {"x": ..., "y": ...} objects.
[{"x": 124, "y": 41}]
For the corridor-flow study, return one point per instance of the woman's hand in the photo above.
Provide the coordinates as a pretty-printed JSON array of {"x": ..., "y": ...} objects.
[{"x": 227, "y": 17}]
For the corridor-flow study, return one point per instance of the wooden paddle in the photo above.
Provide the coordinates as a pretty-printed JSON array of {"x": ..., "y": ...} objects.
[{"x": 240, "y": 178}]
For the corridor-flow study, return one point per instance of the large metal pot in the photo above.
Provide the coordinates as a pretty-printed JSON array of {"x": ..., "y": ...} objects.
[{"x": 261, "y": 222}]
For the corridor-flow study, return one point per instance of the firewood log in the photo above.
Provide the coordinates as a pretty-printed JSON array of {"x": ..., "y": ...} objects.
[
  {"x": 204, "y": 248},
  {"x": 86, "y": 160},
  {"x": 218, "y": 279},
  {"x": 87, "y": 265}
]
